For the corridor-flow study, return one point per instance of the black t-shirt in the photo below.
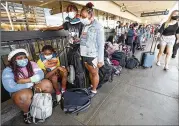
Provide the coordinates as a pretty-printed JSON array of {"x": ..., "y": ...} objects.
[
  {"x": 74, "y": 29},
  {"x": 170, "y": 30}
]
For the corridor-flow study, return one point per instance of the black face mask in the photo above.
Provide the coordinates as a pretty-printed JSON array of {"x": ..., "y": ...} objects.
[{"x": 174, "y": 17}]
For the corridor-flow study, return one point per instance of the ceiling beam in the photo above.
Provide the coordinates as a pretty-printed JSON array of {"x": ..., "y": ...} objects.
[{"x": 126, "y": 10}]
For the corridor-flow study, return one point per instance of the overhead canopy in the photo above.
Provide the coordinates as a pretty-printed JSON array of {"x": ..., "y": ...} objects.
[
  {"x": 138, "y": 7},
  {"x": 110, "y": 7},
  {"x": 134, "y": 8}
]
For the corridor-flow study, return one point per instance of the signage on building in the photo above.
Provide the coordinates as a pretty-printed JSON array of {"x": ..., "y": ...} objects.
[{"x": 155, "y": 13}]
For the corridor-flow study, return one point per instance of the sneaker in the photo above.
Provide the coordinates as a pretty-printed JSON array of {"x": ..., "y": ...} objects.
[
  {"x": 27, "y": 118},
  {"x": 58, "y": 97},
  {"x": 90, "y": 88},
  {"x": 92, "y": 94},
  {"x": 158, "y": 64},
  {"x": 173, "y": 56},
  {"x": 63, "y": 90},
  {"x": 166, "y": 68}
]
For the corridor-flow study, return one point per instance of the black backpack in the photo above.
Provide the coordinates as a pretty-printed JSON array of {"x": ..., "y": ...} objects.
[
  {"x": 119, "y": 56},
  {"x": 132, "y": 63},
  {"x": 74, "y": 58},
  {"x": 75, "y": 100},
  {"x": 106, "y": 72}
]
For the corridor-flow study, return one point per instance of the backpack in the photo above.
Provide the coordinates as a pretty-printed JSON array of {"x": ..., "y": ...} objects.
[
  {"x": 130, "y": 33},
  {"x": 106, "y": 72},
  {"x": 132, "y": 63},
  {"x": 41, "y": 106},
  {"x": 119, "y": 56},
  {"x": 74, "y": 59},
  {"x": 75, "y": 100}
]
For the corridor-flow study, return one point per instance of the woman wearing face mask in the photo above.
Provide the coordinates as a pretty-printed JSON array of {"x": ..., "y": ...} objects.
[
  {"x": 167, "y": 32},
  {"x": 50, "y": 64},
  {"x": 92, "y": 45},
  {"x": 20, "y": 77},
  {"x": 72, "y": 24}
]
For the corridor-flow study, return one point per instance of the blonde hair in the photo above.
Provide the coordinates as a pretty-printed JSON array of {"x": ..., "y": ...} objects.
[{"x": 169, "y": 18}]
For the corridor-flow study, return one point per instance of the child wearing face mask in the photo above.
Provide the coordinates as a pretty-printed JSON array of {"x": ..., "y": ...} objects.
[
  {"x": 50, "y": 64},
  {"x": 72, "y": 24},
  {"x": 20, "y": 78}
]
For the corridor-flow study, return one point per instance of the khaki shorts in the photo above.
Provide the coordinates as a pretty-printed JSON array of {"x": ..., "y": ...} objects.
[{"x": 168, "y": 40}]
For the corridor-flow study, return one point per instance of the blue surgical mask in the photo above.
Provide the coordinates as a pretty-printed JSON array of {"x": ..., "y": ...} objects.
[
  {"x": 85, "y": 21},
  {"x": 22, "y": 63},
  {"x": 71, "y": 15},
  {"x": 48, "y": 57}
]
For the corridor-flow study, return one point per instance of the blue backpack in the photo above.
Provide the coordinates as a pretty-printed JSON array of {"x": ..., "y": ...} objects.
[{"x": 130, "y": 33}]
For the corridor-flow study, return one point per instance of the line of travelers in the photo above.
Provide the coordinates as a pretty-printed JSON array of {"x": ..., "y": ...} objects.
[
  {"x": 22, "y": 75},
  {"x": 133, "y": 34}
]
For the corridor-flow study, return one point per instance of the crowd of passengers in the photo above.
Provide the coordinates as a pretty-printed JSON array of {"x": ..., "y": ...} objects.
[{"x": 22, "y": 76}]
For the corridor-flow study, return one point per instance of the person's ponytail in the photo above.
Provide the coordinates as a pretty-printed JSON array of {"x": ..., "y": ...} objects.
[
  {"x": 89, "y": 8},
  {"x": 89, "y": 5}
]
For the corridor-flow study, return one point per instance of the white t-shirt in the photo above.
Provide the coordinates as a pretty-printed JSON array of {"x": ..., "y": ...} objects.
[{"x": 83, "y": 49}]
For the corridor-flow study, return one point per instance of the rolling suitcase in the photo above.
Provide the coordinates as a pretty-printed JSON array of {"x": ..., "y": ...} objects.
[{"x": 147, "y": 58}]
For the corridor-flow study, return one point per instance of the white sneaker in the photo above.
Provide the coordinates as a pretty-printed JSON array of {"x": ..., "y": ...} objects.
[
  {"x": 166, "y": 68},
  {"x": 58, "y": 97},
  {"x": 63, "y": 91},
  {"x": 158, "y": 63}
]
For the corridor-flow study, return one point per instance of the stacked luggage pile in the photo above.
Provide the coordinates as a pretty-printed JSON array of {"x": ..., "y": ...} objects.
[{"x": 116, "y": 57}]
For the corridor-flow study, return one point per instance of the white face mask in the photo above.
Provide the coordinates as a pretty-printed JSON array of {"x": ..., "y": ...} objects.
[
  {"x": 71, "y": 15},
  {"x": 85, "y": 21},
  {"x": 48, "y": 57}
]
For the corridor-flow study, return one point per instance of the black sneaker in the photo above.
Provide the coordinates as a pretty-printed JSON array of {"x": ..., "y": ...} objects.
[
  {"x": 173, "y": 56},
  {"x": 27, "y": 118}
]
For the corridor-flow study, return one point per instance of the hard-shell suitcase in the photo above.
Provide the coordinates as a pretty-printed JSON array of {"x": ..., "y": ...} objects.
[{"x": 147, "y": 58}]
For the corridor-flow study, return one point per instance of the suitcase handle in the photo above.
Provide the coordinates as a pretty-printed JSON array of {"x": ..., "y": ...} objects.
[{"x": 154, "y": 40}]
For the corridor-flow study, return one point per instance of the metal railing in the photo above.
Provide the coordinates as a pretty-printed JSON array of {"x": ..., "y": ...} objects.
[{"x": 32, "y": 41}]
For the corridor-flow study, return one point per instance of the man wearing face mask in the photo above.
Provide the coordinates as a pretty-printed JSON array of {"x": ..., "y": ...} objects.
[
  {"x": 72, "y": 24},
  {"x": 92, "y": 45}
]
